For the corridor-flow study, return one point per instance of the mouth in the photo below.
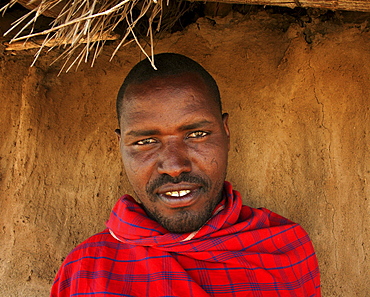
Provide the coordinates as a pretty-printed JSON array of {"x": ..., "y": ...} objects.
[{"x": 178, "y": 196}]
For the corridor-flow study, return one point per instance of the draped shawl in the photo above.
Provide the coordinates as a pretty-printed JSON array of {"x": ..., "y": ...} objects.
[{"x": 240, "y": 251}]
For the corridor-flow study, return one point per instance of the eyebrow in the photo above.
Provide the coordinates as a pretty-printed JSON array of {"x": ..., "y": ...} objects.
[
  {"x": 196, "y": 125},
  {"x": 150, "y": 132},
  {"x": 140, "y": 133}
]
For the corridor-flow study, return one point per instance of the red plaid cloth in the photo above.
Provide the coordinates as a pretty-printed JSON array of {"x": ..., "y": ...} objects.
[{"x": 240, "y": 251}]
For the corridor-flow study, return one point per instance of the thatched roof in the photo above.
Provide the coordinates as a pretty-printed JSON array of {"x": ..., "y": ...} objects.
[
  {"x": 82, "y": 27},
  {"x": 352, "y": 5}
]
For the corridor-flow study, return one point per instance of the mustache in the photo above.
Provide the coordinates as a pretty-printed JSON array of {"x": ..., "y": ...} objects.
[{"x": 183, "y": 177}]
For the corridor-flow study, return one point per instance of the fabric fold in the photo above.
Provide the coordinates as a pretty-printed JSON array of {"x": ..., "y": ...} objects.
[{"x": 240, "y": 251}]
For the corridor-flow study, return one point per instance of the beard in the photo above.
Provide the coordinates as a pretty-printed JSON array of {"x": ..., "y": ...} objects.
[{"x": 184, "y": 220}]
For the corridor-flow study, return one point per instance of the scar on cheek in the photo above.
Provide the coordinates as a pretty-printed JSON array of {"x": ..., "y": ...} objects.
[
  {"x": 214, "y": 162},
  {"x": 134, "y": 169}
]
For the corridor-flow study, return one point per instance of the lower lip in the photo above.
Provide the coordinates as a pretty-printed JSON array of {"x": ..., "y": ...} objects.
[{"x": 178, "y": 202}]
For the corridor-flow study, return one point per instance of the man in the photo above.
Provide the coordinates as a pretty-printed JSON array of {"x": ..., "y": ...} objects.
[{"x": 187, "y": 233}]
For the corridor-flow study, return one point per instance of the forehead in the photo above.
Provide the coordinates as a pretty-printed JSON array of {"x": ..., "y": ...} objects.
[
  {"x": 176, "y": 82},
  {"x": 181, "y": 95}
]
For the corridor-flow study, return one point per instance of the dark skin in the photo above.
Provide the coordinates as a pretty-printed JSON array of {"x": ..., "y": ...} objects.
[{"x": 174, "y": 143}]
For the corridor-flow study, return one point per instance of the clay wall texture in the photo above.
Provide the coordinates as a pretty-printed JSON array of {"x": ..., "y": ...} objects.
[{"x": 299, "y": 118}]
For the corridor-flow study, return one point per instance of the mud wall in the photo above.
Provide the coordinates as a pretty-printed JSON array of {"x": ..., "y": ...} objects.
[{"x": 300, "y": 143}]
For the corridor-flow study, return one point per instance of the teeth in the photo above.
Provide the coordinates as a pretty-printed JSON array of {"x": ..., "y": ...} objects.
[{"x": 178, "y": 193}]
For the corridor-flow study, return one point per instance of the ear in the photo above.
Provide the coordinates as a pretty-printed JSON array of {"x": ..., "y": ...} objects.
[
  {"x": 225, "y": 118},
  {"x": 118, "y": 133}
]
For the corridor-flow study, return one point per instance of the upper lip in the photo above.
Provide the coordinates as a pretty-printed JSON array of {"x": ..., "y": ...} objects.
[{"x": 177, "y": 187}]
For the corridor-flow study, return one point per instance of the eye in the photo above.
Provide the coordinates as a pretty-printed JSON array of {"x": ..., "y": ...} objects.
[
  {"x": 145, "y": 141},
  {"x": 197, "y": 134}
]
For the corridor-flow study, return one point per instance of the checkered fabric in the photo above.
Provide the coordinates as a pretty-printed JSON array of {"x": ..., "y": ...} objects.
[{"x": 240, "y": 251}]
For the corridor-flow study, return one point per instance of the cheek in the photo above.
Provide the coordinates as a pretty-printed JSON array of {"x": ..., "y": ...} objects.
[
  {"x": 129, "y": 164},
  {"x": 139, "y": 166},
  {"x": 211, "y": 156}
]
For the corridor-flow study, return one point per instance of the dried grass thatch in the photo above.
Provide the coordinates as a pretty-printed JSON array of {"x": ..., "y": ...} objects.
[{"x": 81, "y": 27}]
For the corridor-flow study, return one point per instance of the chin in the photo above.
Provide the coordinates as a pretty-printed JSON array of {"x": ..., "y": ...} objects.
[{"x": 185, "y": 220}]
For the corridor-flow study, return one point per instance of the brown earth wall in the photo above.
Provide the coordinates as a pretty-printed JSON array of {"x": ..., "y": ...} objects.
[{"x": 300, "y": 119}]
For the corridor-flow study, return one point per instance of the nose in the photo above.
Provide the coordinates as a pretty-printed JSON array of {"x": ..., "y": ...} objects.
[{"x": 173, "y": 159}]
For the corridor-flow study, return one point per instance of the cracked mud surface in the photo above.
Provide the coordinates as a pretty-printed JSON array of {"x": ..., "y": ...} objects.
[{"x": 300, "y": 143}]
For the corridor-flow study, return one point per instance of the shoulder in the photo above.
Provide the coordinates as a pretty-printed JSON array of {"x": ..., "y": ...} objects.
[
  {"x": 100, "y": 250},
  {"x": 263, "y": 223},
  {"x": 262, "y": 218},
  {"x": 92, "y": 244}
]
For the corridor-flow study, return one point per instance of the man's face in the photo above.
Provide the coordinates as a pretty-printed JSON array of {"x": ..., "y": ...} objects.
[{"x": 174, "y": 144}]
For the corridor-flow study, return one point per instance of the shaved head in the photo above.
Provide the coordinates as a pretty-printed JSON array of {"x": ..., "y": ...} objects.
[{"x": 167, "y": 64}]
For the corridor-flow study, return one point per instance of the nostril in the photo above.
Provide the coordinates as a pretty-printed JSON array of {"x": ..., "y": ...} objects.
[{"x": 174, "y": 168}]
